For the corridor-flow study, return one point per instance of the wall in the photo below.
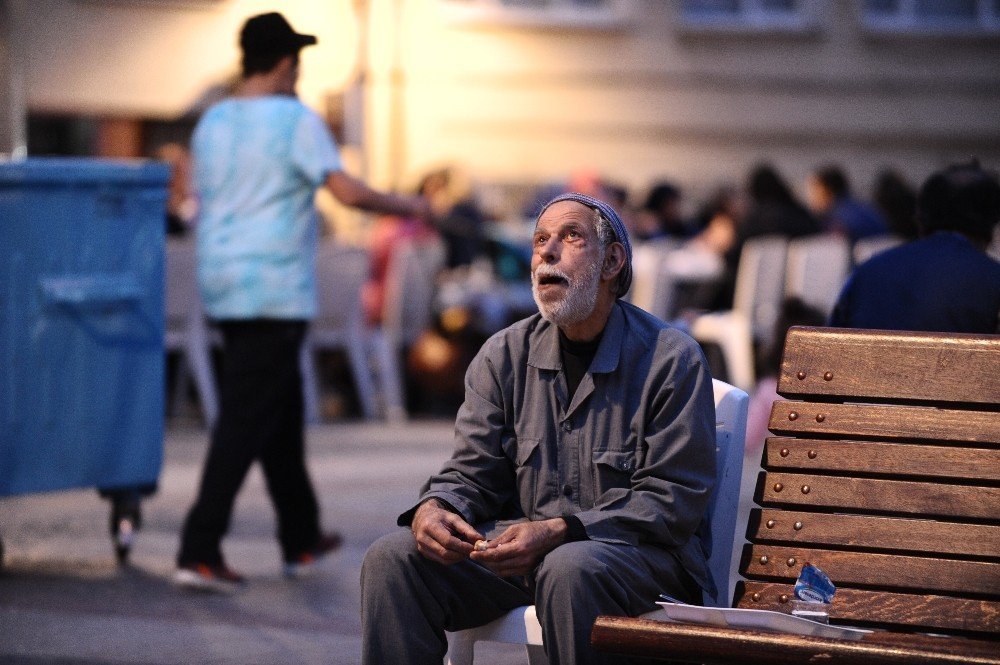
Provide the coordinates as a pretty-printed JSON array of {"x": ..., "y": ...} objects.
[
  {"x": 651, "y": 99},
  {"x": 156, "y": 58},
  {"x": 639, "y": 100}
]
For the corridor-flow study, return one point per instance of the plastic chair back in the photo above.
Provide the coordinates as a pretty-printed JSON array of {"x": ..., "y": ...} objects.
[
  {"x": 865, "y": 248},
  {"x": 760, "y": 283},
  {"x": 409, "y": 288},
  {"x": 817, "y": 268}
]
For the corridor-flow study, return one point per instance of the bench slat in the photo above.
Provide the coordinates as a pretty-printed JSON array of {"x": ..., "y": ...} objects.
[
  {"x": 884, "y": 422},
  {"x": 725, "y": 646},
  {"x": 885, "y": 571},
  {"x": 884, "y": 458},
  {"x": 880, "y": 496},
  {"x": 913, "y": 536},
  {"x": 885, "y": 608},
  {"x": 867, "y": 364}
]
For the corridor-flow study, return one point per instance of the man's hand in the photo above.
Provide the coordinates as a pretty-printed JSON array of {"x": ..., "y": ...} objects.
[
  {"x": 442, "y": 536},
  {"x": 518, "y": 550}
]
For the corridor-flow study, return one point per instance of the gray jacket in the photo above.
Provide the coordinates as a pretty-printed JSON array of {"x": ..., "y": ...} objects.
[{"x": 632, "y": 455}]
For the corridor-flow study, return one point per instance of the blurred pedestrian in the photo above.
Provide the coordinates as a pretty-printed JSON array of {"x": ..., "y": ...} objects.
[{"x": 259, "y": 159}]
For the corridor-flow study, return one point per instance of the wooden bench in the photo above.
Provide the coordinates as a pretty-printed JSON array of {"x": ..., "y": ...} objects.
[{"x": 885, "y": 473}]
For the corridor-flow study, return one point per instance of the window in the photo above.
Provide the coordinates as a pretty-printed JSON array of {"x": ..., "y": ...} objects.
[
  {"x": 931, "y": 16},
  {"x": 537, "y": 13},
  {"x": 747, "y": 15}
]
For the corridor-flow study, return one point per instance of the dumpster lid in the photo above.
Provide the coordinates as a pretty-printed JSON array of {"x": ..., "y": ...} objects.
[{"x": 84, "y": 171}]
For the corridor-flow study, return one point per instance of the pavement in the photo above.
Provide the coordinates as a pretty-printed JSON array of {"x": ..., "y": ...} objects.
[{"x": 65, "y": 601}]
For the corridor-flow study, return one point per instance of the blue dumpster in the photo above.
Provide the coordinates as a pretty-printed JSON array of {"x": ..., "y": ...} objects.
[{"x": 81, "y": 328}]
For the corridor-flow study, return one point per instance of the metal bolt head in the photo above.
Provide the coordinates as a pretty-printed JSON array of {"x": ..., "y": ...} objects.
[
  {"x": 770, "y": 524},
  {"x": 783, "y": 598},
  {"x": 828, "y": 376},
  {"x": 801, "y": 375},
  {"x": 793, "y": 416},
  {"x": 820, "y": 417},
  {"x": 811, "y": 454},
  {"x": 784, "y": 452},
  {"x": 763, "y": 560},
  {"x": 755, "y": 597},
  {"x": 797, "y": 526},
  {"x": 805, "y": 489},
  {"x": 791, "y": 561},
  {"x": 778, "y": 487}
]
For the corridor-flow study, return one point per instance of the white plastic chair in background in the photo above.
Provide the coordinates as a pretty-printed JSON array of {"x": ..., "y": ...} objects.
[
  {"x": 339, "y": 324},
  {"x": 760, "y": 284},
  {"x": 729, "y": 507},
  {"x": 865, "y": 248},
  {"x": 817, "y": 268},
  {"x": 406, "y": 314},
  {"x": 187, "y": 330}
]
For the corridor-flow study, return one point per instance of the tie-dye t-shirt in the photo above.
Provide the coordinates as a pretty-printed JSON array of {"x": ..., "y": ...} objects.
[{"x": 258, "y": 163}]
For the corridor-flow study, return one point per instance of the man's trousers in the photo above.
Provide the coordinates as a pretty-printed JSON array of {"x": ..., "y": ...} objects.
[{"x": 408, "y": 601}]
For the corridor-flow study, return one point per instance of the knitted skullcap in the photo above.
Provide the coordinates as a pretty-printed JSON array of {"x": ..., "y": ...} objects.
[{"x": 621, "y": 233}]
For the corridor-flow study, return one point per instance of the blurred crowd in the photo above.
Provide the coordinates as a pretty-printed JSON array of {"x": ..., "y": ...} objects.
[{"x": 487, "y": 253}]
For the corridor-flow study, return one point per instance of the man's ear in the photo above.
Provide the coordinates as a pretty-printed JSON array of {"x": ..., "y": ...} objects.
[{"x": 614, "y": 261}]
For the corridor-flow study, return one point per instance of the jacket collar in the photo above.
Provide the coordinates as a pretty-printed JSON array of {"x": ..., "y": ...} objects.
[{"x": 544, "y": 344}]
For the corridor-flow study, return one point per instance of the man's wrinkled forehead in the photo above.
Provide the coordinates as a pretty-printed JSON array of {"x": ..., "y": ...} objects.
[{"x": 567, "y": 211}]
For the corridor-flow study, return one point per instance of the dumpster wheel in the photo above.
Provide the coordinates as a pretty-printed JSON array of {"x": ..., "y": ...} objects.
[{"x": 126, "y": 519}]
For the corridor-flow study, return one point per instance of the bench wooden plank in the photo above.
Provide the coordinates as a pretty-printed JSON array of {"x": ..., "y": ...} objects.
[
  {"x": 876, "y": 571},
  {"x": 876, "y": 457},
  {"x": 885, "y": 608},
  {"x": 879, "y": 495},
  {"x": 891, "y": 365},
  {"x": 709, "y": 644},
  {"x": 914, "y": 536},
  {"x": 884, "y": 422}
]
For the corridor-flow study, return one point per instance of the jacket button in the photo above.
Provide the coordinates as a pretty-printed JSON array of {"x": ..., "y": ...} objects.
[
  {"x": 566, "y": 426},
  {"x": 568, "y": 490}
]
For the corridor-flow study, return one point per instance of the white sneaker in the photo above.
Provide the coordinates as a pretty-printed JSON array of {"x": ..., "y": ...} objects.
[{"x": 212, "y": 579}]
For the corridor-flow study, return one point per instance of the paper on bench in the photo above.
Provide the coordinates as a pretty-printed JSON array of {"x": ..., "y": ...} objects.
[{"x": 759, "y": 619}]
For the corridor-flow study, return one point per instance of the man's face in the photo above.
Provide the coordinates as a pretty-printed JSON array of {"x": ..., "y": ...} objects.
[{"x": 566, "y": 263}]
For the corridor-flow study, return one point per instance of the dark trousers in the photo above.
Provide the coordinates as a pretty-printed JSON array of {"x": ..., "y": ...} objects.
[
  {"x": 260, "y": 419},
  {"x": 409, "y": 601}
]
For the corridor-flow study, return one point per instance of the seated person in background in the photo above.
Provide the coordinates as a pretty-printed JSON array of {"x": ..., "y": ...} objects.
[
  {"x": 831, "y": 200},
  {"x": 718, "y": 220},
  {"x": 584, "y": 452},
  {"x": 661, "y": 216},
  {"x": 457, "y": 216},
  {"x": 387, "y": 232},
  {"x": 772, "y": 209},
  {"x": 897, "y": 201},
  {"x": 944, "y": 282}
]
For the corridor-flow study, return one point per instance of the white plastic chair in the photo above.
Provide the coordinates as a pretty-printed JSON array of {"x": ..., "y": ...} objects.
[
  {"x": 406, "y": 313},
  {"x": 865, "y": 248},
  {"x": 187, "y": 330},
  {"x": 339, "y": 324},
  {"x": 729, "y": 509},
  {"x": 817, "y": 268},
  {"x": 760, "y": 284}
]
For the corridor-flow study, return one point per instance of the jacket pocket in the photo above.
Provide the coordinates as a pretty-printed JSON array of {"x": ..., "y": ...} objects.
[
  {"x": 613, "y": 468},
  {"x": 528, "y": 470}
]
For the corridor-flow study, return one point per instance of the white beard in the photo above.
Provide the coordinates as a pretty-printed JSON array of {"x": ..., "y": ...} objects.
[{"x": 580, "y": 298}]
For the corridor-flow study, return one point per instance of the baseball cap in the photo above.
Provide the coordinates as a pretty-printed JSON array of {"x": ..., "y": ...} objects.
[{"x": 272, "y": 34}]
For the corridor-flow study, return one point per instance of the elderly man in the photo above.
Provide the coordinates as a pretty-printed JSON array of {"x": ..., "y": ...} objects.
[{"x": 583, "y": 465}]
